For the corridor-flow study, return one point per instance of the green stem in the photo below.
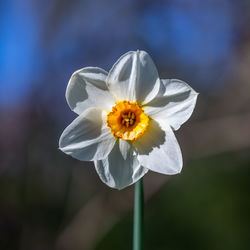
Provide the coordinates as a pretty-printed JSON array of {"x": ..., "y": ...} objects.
[{"x": 138, "y": 216}]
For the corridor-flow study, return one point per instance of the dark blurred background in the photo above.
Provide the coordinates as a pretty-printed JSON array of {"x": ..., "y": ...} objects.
[{"x": 51, "y": 201}]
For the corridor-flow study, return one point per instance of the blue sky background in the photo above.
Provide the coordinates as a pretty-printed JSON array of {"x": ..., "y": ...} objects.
[{"x": 42, "y": 44}]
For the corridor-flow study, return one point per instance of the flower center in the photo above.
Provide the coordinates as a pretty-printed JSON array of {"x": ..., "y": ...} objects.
[{"x": 127, "y": 120}]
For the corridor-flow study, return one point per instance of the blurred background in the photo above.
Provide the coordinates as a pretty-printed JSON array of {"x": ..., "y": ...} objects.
[{"x": 51, "y": 201}]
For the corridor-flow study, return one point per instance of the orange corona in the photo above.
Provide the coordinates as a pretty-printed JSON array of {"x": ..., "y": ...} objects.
[{"x": 127, "y": 120}]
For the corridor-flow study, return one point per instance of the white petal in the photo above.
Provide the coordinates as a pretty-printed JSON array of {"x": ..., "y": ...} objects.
[
  {"x": 134, "y": 77},
  {"x": 87, "y": 138},
  {"x": 117, "y": 172},
  {"x": 158, "y": 149},
  {"x": 174, "y": 103},
  {"x": 87, "y": 88},
  {"x": 125, "y": 148}
]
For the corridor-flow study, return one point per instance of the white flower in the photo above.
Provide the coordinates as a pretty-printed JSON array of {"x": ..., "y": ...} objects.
[{"x": 126, "y": 119}]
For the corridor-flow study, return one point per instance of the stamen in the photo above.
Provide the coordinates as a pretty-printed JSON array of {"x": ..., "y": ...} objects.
[{"x": 128, "y": 119}]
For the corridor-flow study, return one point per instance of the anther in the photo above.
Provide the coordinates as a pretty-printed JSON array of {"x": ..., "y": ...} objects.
[{"x": 128, "y": 119}]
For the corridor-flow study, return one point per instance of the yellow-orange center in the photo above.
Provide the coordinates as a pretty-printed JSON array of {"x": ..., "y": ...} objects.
[{"x": 127, "y": 120}]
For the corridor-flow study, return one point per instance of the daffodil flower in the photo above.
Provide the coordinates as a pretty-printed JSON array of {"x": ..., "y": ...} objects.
[{"x": 126, "y": 119}]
